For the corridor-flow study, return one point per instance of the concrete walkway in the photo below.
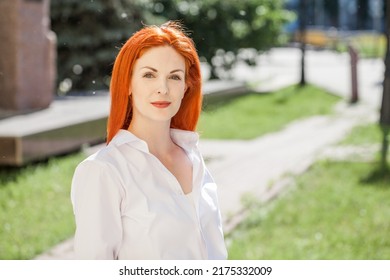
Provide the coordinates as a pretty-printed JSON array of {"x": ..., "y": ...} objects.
[{"x": 247, "y": 168}]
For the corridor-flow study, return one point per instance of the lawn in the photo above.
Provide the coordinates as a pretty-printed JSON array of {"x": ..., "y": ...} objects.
[
  {"x": 336, "y": 210},
  {"x": 365, "y": 134},
  {"x": 256, "y": 114},
  {"x": 35, "y": 209}
]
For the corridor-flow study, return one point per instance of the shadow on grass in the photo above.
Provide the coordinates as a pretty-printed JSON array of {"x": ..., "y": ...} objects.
[
  {"x": 378, "y": 177},
  {"x": 212, "y": 103},
  {"x": 9, "y": 174},
  {"x": 215, "y": 102}
]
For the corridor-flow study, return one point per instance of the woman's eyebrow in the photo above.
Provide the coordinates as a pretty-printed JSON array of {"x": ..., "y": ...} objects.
[
  {"x": 150, "y": 68},
  {"x": 155, "y": 70},
  {"x": 177, "y": 70}
]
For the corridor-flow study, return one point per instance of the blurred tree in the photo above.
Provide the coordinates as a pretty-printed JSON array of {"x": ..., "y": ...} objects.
[
  {"x": 229, "y": 30},
  {"x": 89, "y": 34},
  {"x": 385, "y": 108},
  {"x": 362, "y": 14},
  {"x": 332, "y": 9}
]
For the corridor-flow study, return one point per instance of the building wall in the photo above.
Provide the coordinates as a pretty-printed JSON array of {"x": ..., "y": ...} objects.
[{"x": 343, "y": 14}]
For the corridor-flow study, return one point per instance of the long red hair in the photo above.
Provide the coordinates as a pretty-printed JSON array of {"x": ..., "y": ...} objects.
[{"x": 172, "y": 34}]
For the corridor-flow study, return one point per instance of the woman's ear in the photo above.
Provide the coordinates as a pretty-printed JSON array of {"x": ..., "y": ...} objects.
[{"x": 186, "y": 89}]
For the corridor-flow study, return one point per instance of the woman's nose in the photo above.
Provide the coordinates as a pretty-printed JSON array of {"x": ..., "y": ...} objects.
[{"x": 162, "y": 87}]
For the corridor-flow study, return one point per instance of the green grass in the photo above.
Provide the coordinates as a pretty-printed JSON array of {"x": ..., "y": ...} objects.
[
  {"x": 35, "y": 207},
  {"x": 364, "y": 134},
  {"x": 256, "y": 114},
  {"x": 337, "y": 210}
]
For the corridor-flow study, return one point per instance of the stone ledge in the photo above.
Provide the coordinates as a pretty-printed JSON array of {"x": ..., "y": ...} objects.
[
  {"x": 64, "y": 127},
  {"x": 215, "y": 90}
]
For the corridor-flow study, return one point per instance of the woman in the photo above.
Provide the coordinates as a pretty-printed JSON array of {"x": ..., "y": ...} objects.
[{"x": 148, "y": 194}]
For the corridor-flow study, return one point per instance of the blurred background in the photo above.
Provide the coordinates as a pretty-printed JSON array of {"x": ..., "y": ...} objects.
[
  {"x": 294, "y": 127},
  {"x": 225, "y": 32},
  {"x": 220, "y": 30}
]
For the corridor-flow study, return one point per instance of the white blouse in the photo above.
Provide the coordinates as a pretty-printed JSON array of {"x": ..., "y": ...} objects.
[{"x": 128, "y": 205}]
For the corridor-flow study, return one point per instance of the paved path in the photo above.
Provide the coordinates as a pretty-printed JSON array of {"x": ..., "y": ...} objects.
[
  {"x": 249, "y": 166},
  {"x": 243, "y": 168}
]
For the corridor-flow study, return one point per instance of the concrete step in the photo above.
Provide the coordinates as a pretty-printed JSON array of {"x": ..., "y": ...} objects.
[{"x": 63, "y": 127}]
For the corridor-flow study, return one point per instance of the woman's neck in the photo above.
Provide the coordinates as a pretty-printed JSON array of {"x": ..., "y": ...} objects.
[{"x": 156, "y": 135}]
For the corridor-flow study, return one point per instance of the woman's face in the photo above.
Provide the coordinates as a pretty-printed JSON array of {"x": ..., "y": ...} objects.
[{"x": 158, "y": 84}]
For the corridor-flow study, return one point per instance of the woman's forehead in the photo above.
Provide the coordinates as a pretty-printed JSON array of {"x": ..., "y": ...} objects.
[{"x": 161, "y": 57}]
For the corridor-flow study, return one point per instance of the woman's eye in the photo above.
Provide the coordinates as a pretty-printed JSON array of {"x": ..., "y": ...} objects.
[
  {"x": 148, "y": 75},
  {"x": 176, "y": 77}
]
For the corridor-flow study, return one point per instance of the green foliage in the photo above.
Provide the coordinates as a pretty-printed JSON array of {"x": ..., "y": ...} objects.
[
  {"x": 221, "y": 28},
  {"x": 91, "y": 32},
  {"x": 255, "y": 114}
]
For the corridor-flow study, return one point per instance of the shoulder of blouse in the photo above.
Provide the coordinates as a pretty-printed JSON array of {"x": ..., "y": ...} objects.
[
  {"x": 93, "y": 176},
  {"x": 112, "y": 154},
  {"x": 101, "y": 163}
]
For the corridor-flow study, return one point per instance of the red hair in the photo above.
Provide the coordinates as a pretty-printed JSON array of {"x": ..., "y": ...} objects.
[{"x": 172, "y": 34}]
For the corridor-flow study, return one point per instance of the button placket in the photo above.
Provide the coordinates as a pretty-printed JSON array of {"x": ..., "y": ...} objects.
[
  {"x": 197, "y": 176},
  {"x": 173, "y": 183}
]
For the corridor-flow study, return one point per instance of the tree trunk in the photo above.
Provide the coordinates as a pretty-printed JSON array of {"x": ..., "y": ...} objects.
[
  {"x": 385, "y": 107},
  {"x": 302, "y": 34}
]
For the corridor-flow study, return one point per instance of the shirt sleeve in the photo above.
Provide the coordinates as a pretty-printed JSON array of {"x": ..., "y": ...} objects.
[{"x": 96, "y": 196}]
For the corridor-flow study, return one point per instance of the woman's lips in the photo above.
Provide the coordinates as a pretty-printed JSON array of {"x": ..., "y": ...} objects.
[{"x": 161, "y": 104}]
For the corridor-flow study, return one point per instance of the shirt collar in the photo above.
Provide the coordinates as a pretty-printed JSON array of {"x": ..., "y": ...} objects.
[
  {"x": 124, "y": 136},
  {"x": 184, "y": 138}
]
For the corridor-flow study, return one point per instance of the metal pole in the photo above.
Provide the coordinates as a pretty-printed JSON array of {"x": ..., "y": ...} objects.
[{"x": 354, "y": 82}]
